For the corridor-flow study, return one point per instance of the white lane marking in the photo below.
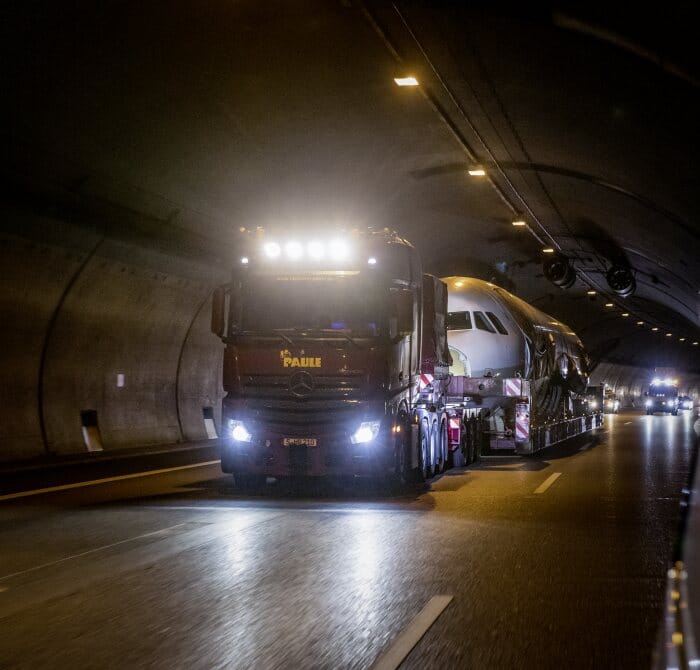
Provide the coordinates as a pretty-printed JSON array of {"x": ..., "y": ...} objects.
[
  {"x": 94, "y": 482},
  {"x": 548, "y": 482},
  {"x": 411, "y": 635},
  {"x": 90, "y": 551}
]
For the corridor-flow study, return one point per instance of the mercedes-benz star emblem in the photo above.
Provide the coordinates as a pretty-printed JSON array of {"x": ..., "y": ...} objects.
[{"x": 301, "y": 383}]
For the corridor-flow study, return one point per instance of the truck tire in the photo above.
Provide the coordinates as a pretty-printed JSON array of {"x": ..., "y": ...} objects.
[
  {"x": 441, "y": 447},
  {"x": 425, "y": 471}
]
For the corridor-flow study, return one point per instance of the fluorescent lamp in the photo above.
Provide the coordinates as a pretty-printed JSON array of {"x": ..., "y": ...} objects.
[{"x": 406, "y": 81}]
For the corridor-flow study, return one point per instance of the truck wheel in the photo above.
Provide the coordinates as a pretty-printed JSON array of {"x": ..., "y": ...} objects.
[
  {"x": 675, "y": 412},
  {"x": 425, "y": 471},
  {"x": 441, "y": 447}
]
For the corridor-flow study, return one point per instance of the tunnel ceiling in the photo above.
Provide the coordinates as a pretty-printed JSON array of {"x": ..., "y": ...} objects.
[{"x": 186, "y": 121}]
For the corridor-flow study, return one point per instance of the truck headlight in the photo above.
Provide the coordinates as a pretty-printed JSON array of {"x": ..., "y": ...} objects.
[
  {"x": 238, "y": 431},
  {"x": 647, "y": 403},
  {"x": 367, "y": 431},
  {"x": 593, "y": 404}
]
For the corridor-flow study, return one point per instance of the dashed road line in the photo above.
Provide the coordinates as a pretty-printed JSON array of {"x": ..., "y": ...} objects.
[
  {"x": 106, "y": 480},
  {"x": 548, "y": 482},
  {"x": 411, "y": 635}
]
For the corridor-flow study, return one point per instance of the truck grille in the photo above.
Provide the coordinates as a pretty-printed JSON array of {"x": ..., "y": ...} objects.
[{"x": 270, "y": 399}]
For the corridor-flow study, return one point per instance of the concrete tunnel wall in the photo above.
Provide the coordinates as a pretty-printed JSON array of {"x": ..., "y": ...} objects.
[{"x": 106, "y": 325}]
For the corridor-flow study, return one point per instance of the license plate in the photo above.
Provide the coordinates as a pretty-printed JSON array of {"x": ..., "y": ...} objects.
[{"x": 299, "y": 441}]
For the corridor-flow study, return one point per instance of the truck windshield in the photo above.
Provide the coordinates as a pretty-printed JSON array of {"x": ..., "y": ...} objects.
[{"x": 342, "y": 304}]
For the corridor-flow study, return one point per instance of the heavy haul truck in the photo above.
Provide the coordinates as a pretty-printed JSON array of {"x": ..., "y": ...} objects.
[{"x": 337, "y": 364}]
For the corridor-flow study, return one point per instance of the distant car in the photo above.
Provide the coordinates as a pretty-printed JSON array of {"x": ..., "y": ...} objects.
[
  {"x": 685, "y": 402},
  {"x": 611, "y": 406}
]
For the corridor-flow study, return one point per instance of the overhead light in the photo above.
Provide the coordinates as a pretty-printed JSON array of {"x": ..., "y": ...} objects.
[
  {"x": 654, "y": 328},
  {"x": 519, "y": 222},
  {"x": 610, "y": 304},
  {"x": 338, "y": 250},
  {"x": 406, "y": 81},
  {"x": 293, "y": 250},
  {"x": 459, "y": 284},
  {"x": 371, "y": 260},
  {"x": 681, "y": 339},
  {"x": 625, "y": 314},
  {"x": 272, "y": 249},
  {"x": 640, "y": 323},
  {"x": 477, "y": 171},
  {"x": 315, "y": 250},
  {"x": 244, "y": 260},
  {"x": 591, "y": 292},
  {"x": 548, "y": 250},
  {"x": 695, "y": 344},
  {"x": 669, "y": 334}
]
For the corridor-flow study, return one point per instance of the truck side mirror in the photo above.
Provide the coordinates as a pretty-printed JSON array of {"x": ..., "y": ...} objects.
[{"x": 218, "y": 311}]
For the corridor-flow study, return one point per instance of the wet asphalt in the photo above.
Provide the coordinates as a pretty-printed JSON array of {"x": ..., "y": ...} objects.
[{"x": 553, "y": 561}]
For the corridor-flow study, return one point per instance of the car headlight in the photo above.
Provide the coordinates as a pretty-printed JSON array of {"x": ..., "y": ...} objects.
[
  {"x": 647, "y": 403},
  {"x": 367, "y": 431},
  {"x": 238, "y": 431}
]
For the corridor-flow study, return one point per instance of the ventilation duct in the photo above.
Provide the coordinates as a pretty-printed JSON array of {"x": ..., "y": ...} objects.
[
  {"x": 558, "y": 270},
  {"x": 621, "y": 280}
]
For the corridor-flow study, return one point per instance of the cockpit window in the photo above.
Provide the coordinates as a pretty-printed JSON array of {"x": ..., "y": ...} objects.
[
  {"x": 497, "y": 322},
  {"x": 459, "y": 321},
  {"x": 482, "y": 323}
]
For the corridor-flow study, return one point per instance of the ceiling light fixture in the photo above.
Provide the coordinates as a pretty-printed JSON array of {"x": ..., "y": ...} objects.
[
  {"x": 610, "y": 304},
  {"x": 640, "y": 323},
  {"x": 548, "y": 250},
  {"x": 406, "y": 81},
  {"x": 654, "y": 328},
  {"x": 519, "y": 222},
  {"x": 477, "y": 172},
  {"x": 681, "y": 339},
  {"x": 669, "y": 334},
  {"x": 591, "y": 292},
  {"x": 625, "y": 314}
]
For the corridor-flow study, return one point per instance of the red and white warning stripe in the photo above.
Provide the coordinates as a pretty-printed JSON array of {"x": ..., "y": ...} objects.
[
  {"x": 513, "y": 386},
  {"x": 522, "y": 422},
  {"x": 425, "y": 381}
]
